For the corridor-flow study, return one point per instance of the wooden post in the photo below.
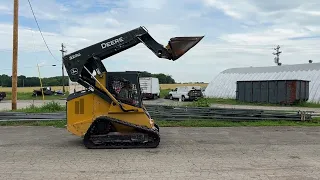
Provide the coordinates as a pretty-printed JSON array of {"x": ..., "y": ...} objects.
[
  {"x": 15, "y": 56},
  {"x": 40, "y": 83}
]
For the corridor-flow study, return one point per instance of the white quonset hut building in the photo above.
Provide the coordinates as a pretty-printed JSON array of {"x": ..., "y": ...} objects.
[{"x": 224, "y": 84}]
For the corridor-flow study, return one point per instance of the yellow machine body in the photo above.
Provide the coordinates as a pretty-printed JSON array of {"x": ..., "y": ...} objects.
[{"x": 84, "y": 109}]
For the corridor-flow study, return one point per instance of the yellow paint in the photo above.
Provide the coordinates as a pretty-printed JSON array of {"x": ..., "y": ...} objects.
[
  {"x": 93, "y": 107},
  {"x": 79, "y": 123},
  {"x": 102, "y": 80}
]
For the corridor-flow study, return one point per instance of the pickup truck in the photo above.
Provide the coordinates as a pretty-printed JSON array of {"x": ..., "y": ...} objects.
[
  {"x": 2, "y": 95},
  {"x": 186, "y": 93}
]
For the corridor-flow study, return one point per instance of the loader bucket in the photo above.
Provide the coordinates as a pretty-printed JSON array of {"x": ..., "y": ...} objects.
[{"x": 180, "y": 45}]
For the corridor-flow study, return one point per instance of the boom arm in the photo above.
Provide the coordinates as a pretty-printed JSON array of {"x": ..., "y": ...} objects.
[{"x": 91, "y": 57}]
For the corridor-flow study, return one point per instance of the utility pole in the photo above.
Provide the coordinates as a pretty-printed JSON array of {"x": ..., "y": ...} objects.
[
  {"x": 62, "y": 52},
  {"x": 15, "y": 56},
  {"x": 276, "y": 59}
]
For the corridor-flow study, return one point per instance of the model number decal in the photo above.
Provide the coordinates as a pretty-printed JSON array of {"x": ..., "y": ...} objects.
[
  {"x": 111, "y": 43},
  {"x": 74, "y": 56}
]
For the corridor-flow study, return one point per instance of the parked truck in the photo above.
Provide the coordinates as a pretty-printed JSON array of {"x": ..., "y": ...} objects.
[
  {"x": 150, "y": 87},
  {"x": 186, "y": 93}
]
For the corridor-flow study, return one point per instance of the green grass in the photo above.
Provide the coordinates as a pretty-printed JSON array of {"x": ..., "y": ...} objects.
[
  {"x": 45, "y": 108},
  {"x": 28, "y": 96},
  {"x": 164, "y": 92},
  {"x": 188, "y": 123},
  {"x": 205, "y": 102}
]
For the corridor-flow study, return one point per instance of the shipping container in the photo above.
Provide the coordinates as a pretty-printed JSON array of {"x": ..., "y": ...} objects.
[{"x": 285, "y": 92}]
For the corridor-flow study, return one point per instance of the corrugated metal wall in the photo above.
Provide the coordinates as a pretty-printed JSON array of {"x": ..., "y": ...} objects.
[
  {"x": 273, "y": 91},
  {"x": 224, "y": 85}
]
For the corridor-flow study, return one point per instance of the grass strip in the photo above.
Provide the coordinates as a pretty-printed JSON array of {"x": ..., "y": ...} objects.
[
  {"x": 206, "y": 102},
  {"x": 187, "y": 123},
  {"x": 48, "y": 107}
]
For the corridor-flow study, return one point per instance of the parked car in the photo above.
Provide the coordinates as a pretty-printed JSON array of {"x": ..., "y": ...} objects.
[
  {"x": 150, "y": 87},
  {"x": 46, "y": 91},
  {"x": 2, "y": 95},
  {"x": 186, "y": 93}
]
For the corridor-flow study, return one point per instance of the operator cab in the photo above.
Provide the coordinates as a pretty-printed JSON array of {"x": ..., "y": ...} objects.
[{"x": 128, "y": 81}]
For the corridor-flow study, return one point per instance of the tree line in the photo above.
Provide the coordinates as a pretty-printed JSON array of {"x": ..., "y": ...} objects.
[
  {"x": 163, "y": 78},
  {"x": 23, "y": 81}
]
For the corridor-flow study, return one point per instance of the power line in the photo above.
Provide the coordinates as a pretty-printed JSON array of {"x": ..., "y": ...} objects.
[
  {"x": 35, "y": 66},
  {"x": 63, "y": 51},
  {"x": 41, "y": 31}
]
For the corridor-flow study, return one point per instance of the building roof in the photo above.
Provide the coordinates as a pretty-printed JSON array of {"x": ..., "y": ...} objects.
[
  {"x": 282, "y": 68},
  {"x": 225, "y": 83}
]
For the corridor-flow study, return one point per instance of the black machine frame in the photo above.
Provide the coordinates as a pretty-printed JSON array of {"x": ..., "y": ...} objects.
[{"x": 80, "y": 65}]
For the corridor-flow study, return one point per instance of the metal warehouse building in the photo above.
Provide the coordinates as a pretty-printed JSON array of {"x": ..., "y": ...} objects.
[{"x": 224, "y": 84}]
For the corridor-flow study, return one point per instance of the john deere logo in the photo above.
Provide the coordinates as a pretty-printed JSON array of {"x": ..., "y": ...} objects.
[
  {"x": 74, "y": 71},
  {"x": 79, "y": 107}
]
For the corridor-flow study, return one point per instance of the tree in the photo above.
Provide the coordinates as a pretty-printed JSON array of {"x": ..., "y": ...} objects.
[
  {"x": 164, "y": 79},
  {"x": 21, "y": 80}
]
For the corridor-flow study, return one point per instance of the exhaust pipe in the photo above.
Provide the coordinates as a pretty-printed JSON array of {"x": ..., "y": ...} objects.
[{"x": 178, "y": 46}]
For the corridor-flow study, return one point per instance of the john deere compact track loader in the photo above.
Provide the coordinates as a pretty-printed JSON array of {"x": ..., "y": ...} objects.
[{"x": 110, "y": 112}]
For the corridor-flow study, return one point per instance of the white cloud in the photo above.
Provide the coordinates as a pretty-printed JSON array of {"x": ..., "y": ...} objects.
[
  {"x": 51, "y": 10},
  {"x": 229, "y": 10},
  {"x": 267, "y": 37},
  {"x": 148, "y": 4},
  {"x": 279, "y": 12},
  {"x": 4, "y": 9}
]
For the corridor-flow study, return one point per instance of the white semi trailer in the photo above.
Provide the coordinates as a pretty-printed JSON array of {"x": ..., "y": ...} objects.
[{"x": 150, "y": 87}]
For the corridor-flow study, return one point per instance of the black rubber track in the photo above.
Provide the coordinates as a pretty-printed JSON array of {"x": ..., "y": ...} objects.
[{"x": 153, "y": 136}]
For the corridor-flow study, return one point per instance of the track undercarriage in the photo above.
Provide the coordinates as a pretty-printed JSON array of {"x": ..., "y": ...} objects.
[{"x": 103, "y": 135}]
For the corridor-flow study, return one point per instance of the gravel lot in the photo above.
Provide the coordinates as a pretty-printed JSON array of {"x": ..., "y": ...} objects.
[{"x": 184, "y": 153}]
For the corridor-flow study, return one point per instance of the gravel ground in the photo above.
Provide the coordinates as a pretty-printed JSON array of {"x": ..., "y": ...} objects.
[{"x": 184, "y": 153}]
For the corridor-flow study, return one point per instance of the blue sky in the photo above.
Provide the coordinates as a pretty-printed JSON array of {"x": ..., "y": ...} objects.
[{"x": 237, "y": 33}]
